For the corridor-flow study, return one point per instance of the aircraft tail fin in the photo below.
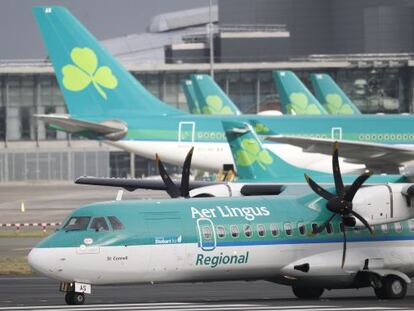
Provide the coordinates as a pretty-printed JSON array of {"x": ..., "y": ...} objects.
[
  {"x": 190, "y": 96},
  {"x": 331, "y": 96},
  {"x": 294, "y": 95},
  {"x": 211, "y": 98},
  {"x": 252, "y": 160},
  {"x": 94, "y": 84}
]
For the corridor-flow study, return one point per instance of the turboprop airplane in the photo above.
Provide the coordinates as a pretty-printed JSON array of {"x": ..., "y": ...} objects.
[
  {"x": 331, "y": 96},
  {"x": 106, "y": 102},
  {"x": 311, "y": 239}
]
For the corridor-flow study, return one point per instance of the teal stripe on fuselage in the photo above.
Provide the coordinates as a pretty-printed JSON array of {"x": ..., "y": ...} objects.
[
  {"x": 179, "y": 213},
  {"x": 389, "y": 129}
]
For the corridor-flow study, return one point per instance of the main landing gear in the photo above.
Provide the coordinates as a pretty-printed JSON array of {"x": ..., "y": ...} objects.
[
  {"x": 307, "y": 292},
  {"x": 391, "y": 287},
  {"x": 75, "y": 292}
]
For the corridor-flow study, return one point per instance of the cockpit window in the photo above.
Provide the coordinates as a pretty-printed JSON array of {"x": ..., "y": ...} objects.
[
  {"x": 115, "y": 223},
  {"x": 77, "y": 223},
  {"x": 99, "y": 224}
]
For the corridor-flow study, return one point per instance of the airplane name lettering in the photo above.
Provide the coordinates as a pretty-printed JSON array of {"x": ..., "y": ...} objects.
[
  {"x": 214, "y": 261},
  {"x": 116, "y": 258},
  {"x": 248, "y": 213}
]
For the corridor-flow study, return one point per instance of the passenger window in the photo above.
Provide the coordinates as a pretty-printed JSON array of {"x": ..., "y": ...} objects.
[
  {"x": 274, "y": 229},
  {"x": 314, "y": 227},
  {"x": 341, "y": 227},
  {"x": 115, "y": 223},
  {"x": 207, "y": 232},
  {"x": 221, "y": 232},
  {"x": 234, "y": 231},
  {"x": 411, "y": 225},
  {"x": 398, "y": 227},
  {"x": 288, "y": 228},
  {"x": 247, "y": 230},
  {"x": 261, "y": 230},
  {"x": 329, "y": 228},
  {"x": 99, "y": 224},
  {"x": 384, "y": 228},
  {"x": 302, "y": 228},
  {"x": 77, "y": 223}
]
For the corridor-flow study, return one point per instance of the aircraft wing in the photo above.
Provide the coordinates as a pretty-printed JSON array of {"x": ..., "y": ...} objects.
[
  {"x": 377, "y": 157},
  {"x": 110, "y": 129},
  {"x": 132, "y": 184}
]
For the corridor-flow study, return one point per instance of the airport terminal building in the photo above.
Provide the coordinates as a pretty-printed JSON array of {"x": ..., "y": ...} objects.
[{"x": 367, "y": 46}]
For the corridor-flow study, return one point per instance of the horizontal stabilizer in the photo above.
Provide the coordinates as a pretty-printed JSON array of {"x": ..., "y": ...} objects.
[
  {"x": 377, "y": 157},
  {"x": 110, "y": 129},
  {"x": 131, "y": 184}
]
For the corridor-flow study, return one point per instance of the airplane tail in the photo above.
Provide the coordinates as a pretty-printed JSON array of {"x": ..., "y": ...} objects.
[
  {"x": 252, "y": 160},
  {"x": 294, "y": 95},
  {"x": 331, "y": 96},
  {"x": 93, "y": 83},
  {"x": 211, "y": 98},
  {"x": 190, "y": 96}
]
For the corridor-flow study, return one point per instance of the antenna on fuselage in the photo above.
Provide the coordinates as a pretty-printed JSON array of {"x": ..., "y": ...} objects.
[{"x": 119, "y": 195}]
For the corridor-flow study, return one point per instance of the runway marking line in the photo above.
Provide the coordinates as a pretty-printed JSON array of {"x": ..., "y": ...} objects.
[{"x": 195, "y": 307}]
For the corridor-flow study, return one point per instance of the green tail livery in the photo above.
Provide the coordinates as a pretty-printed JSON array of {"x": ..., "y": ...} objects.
[
  {"x": 190, "y": 96},
  {"x": 211, "y": 98},
  {"x": 331, "y": 96},
  {"x": 294, "y": 96}
]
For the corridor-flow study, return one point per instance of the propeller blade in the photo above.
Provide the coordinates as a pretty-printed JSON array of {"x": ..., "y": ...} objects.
[
  {"x": 344, "y": 248},
  {"x": 317, "y": 189},
  {"x": 339, "y": 185},
  {"x": 172, "y": 189},
  {"x": 320, "y": 228},
  {"x": 349, "y": 196},
  {"x": 362, "y": 219},
  {"x": 185, "y": 176}
]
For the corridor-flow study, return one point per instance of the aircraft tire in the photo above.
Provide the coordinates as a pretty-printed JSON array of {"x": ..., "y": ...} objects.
[
  {"x": 307, "y": 292},
  {"x": 393, "y": 287},
  {"x": 72, "y": 298}
]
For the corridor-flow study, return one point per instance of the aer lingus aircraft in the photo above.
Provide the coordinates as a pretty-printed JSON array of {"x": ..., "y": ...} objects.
[
  {"x": 190, "y": 96},
  {"x": 331, "y": 96},
  {"x": 106, "y": 102},
  {"x": 309, "y": 240}
]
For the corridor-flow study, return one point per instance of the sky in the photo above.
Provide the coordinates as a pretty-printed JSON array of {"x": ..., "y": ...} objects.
[{"x": 20, "y": 38}]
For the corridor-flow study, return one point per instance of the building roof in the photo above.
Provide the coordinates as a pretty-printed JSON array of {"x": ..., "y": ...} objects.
[{"x": 182, "y": 19}]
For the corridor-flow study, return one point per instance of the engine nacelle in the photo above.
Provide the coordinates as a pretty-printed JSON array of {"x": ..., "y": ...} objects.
[{"x": 383, "y": 203}]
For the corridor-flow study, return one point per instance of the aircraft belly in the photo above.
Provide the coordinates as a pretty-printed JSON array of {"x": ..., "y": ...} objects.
[
  {"x": 212, "y": 156},
  {"x": 187, "y": 262},
  {"x": 208, "y": 156}
]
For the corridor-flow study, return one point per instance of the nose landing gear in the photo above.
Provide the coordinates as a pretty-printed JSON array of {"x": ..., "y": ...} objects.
[
  {"x": 73, "y": 298},
  {"x": 75, "y": 292}
]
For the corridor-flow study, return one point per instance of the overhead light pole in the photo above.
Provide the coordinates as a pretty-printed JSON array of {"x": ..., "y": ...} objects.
[{"x": 211, "y": 35}]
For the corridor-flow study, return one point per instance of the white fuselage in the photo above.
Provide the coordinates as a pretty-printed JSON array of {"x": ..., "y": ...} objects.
[
  {"x": 182, "y": 262},
  {"x": 212, "y": 156}
]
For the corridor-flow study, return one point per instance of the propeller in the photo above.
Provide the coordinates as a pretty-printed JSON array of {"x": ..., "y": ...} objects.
[
  {"x": 172, "y": 189},
  {"x": 341, "y": 202}
]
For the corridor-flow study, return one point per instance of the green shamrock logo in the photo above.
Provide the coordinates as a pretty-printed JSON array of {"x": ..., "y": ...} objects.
[
  {"x": 251, "y": 152},
  {"x": 300, "y": 105},
  {"x": 85, "y": 71},
  {"x": 261, "y": 128},
  {"x": 335, "y": 105},
  {"x": 215, "y": 106}
]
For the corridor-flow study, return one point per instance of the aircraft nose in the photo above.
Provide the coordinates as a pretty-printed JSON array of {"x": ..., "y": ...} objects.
[{"x": 42, "y": 261}]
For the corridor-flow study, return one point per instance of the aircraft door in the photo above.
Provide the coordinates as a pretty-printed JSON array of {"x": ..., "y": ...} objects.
[
  {"x": 336, "y": 133},
  {"x": 207, "y": 239},
  {"x": 165, "y": 233},
  {"x": 186, "y": 132}
]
